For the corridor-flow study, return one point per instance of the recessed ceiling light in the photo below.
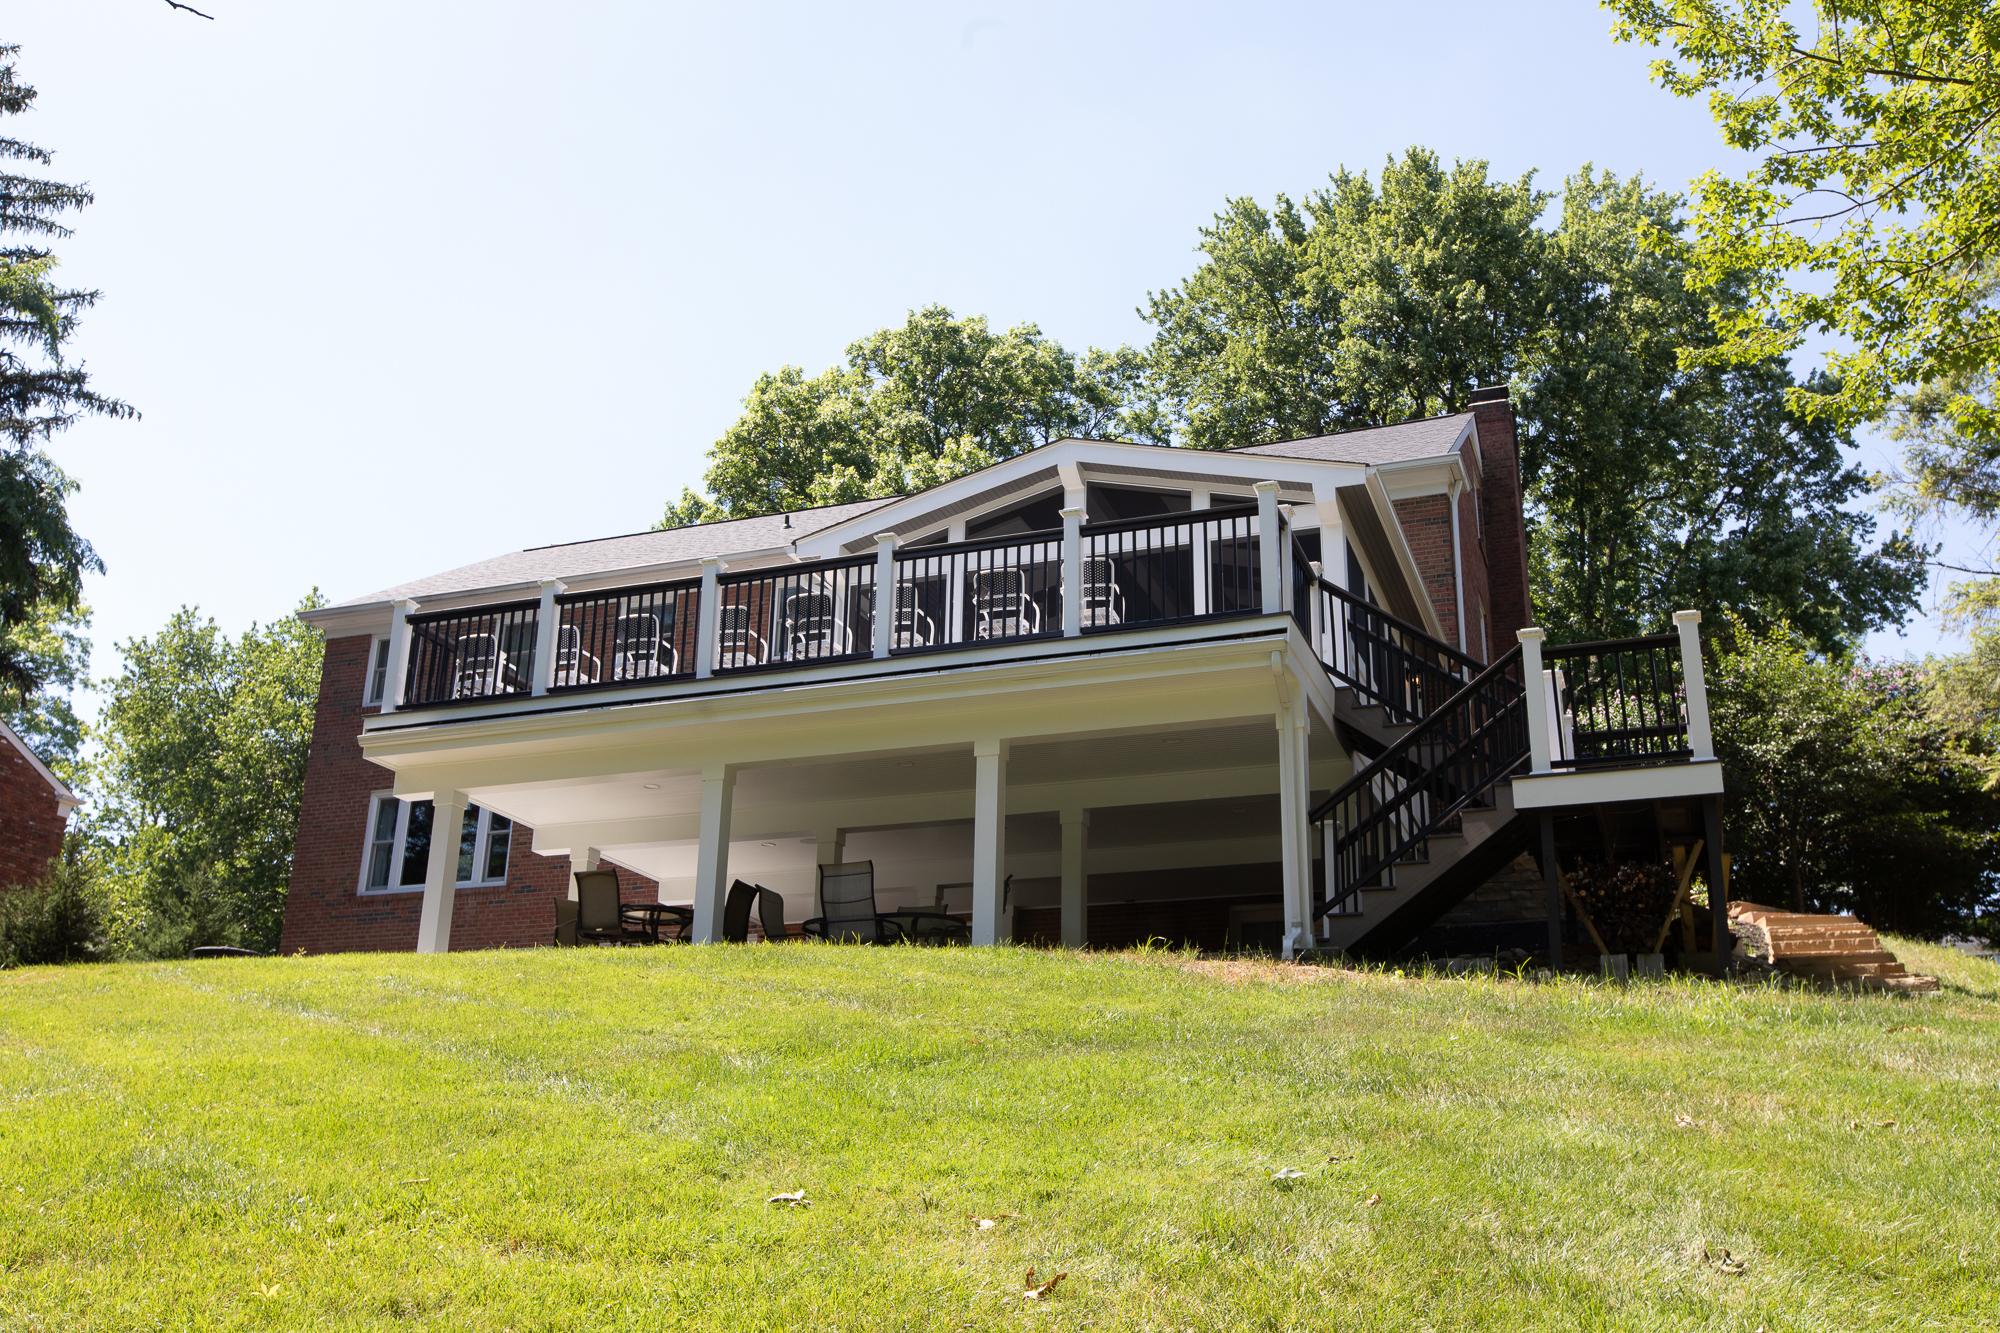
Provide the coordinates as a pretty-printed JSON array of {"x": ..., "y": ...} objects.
[
  {"x": 767, "y": 844},
  {"x": 650, "y": 786}
]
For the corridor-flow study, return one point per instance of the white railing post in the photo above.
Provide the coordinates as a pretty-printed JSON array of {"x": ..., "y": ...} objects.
[
  {"x": 397, "y": 673},
  {"x": 885, "y": 592},
  {"x": 1537, "y": 688},
  {"x": 1316, "y": 611},
  {"x": 1701, "y": 737},
  {"x": 545, "y": 638},
  {"x": 1072, "y": 571},
  {"x": 704, "y": 620},
  {"x": 1285, "y": 558},
  {"x": 1269, "y": 566}
]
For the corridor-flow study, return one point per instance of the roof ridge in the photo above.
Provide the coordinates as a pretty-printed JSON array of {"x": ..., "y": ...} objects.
[{"x": 1358, "y": 430}]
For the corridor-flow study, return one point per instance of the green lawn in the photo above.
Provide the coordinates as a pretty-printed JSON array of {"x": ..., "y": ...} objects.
[{"x": 589, "y": 1138}]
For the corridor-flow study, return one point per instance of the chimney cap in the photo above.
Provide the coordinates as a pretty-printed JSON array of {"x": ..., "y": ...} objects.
[{"x": 1488, "y": 393}]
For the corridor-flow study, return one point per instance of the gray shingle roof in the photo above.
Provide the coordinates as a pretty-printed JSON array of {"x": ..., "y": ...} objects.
[
  {"x": 1400, "y": 443},
  {"x": 639, "y": 550}
]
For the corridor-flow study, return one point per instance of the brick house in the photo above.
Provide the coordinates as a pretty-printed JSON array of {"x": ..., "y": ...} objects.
[
  {"x": 34, "y": 812},
  {"x": 1283, "y": 696}
]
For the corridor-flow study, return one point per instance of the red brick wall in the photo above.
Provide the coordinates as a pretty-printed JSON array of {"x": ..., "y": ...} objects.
[
  {"x": 1506, "y": 529},
  {"x": 1426, "y": 524},
  {"x": 325, "y": 911},
  {"x": 31, "y": 823}
]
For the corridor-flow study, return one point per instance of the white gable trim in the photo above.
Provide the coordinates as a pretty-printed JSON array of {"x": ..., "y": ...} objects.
[{"x": 66, "y": 800}]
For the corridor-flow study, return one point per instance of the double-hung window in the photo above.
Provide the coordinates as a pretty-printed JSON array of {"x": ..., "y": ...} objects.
[
  {"x": 399, "y": 846},
  {"x": 378, "y": 674}
]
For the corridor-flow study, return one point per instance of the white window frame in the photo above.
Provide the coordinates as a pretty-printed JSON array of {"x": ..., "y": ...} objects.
[
  {"x": 481, "y": 845},
  {"x": 376, "y": 684}
]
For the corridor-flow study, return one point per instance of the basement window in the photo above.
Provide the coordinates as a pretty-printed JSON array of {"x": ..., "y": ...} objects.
[{"x": 399, "y": 846}]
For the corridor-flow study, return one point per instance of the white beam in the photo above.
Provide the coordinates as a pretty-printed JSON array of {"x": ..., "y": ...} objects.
[
  {"x": 989, "y": 840},
  {"x": 441, "y": 873},
  {"x": 711, "y": 876}
]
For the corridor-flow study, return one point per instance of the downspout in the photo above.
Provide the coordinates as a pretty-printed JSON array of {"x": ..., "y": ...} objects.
[{"x": 1457, "y": 564}]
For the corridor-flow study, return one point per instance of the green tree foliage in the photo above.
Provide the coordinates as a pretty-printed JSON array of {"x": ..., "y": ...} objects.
[
  {"x": 204, "y": 741},
  {"x": 55, "y": 921},
  {"x": 1854, "y": 788},
  {"x": 56, "y": 646},
  {"x": 1650, "y": 484},
  {"x": 42, "y": 559},
  {"x": 932, "y": 399}
]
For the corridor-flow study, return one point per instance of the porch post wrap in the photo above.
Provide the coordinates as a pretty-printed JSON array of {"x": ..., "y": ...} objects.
[
  {"x": 545, "y": 637},
  {"x": 1072, "y": 572},
  {"x": 711, "y": 868},
  {"x": 1075, "y": 835},
  {"x": 1286, "y": 557},
  {"x": 441, "y": 872},
  {"x": 588, "y": 860},
  {"x": 1269, "y": 568},
  {"x": 885, "y": 592},
  {"x": 704, "y": 620},
  {"x": 1536, "y": 699},
  {"x": 397, "y": 673},
  {"x": 1701, "y": 739},
  {"x": 989, "y": 841}
]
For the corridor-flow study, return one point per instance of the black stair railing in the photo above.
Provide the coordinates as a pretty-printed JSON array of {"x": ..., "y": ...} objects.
[
  {"x": 1387, "y": 812},
  {"x": 1385, "y": 660}
]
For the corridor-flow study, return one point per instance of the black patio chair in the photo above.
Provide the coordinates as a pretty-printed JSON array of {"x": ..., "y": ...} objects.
[
  {"x": 736, "y": 912},
  {"x": 847, "y": 906},
  {"x": 771, "y": 915},
  {"x": 599, "y": 919},
  {"x": 565, "y": 922}
]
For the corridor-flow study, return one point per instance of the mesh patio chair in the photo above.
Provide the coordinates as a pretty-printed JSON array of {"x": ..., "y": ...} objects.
[
  {"x": 573, "y": 665},
  {"x": 812, "y": 626},
  {"x": 771, "y": 915},
  {"x": 638, "y": 651},
  {"x": 847, "y": 906},
  {"x": 1103, "y": 600},
  {"x": 478, "y": 668},
  {"x": 911, "y": 628},
  {"x": 736, "y": 644},
  {"x": 599, "y": 919},
  {"x": 1001, "y": 606},
  {"x": 736, "y": 912},
  {"x": 566, "y": 922}
]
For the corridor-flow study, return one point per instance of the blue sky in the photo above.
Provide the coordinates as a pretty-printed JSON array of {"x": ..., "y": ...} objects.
[{"x": 401, "y": 286}]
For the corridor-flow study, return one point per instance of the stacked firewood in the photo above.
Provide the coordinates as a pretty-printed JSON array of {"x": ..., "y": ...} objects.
[{"x": 1625, "y": 902}]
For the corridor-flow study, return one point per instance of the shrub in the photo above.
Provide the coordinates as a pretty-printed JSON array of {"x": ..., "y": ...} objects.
[{"x": 54, "y": 921}]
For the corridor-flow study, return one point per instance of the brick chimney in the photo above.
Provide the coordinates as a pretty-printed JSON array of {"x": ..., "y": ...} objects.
[{"x": 1500, "y": 513}]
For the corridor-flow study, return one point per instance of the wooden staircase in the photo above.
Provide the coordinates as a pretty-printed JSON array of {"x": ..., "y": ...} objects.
[{"x": 1836, "y": 949}]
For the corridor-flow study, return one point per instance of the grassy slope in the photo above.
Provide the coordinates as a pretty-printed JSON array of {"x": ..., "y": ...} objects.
[{"x": 538, "y": 1138}]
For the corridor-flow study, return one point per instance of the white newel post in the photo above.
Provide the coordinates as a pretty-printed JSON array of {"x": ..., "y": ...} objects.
[
  {"x": 1701, "y": 738},
  {"x": 989, "y": 841},
  {"x": 885, "y": 593},
  {"x": 704, "y": 620},
  {"x": 1075, "y": 883},
  {"x": 1269, "y": 568},
  {"x": 711, "y": 868},
  {"x": 441, "y": 872},
  {"x": 1287, "y": 555},
  {"x": 1072, "y": 571},
  {"x": 545, "y": 637},
  {"x": 1537, "y": 686},
  {"x": 397, "y": 674},
  {"x": 1316, "y": 611}
]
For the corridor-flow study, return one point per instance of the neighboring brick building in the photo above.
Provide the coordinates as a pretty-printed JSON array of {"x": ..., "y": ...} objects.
[{"x": 34, "y": 812}]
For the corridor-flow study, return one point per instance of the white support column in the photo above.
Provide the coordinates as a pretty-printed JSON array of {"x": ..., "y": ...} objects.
[
  {"x": 1457, "y": 565},
  {"x": 1292, "y": 815},
  {"x": 545, "y": 637},
  {"x": 1199, "y": 502},
  {"x": 704, "y": 620},
  {"x": 711, "y": 867},
  {"x": 1072, "y": 571},
  {"x": 1701, "y": 737},
  {"x": 885, "y": 592},
  {"x": 1538, "y": 688},
  {"x": 397, "y": 673},
  {"x": 441, "y": 872},
  {"x": 989, "y": 841},
  {"x": 1075, "y": 883},
  {"x": 831, "y": 847},
  {"x": 1269, "y": 567},
  {"x": 587, "y": 861}
]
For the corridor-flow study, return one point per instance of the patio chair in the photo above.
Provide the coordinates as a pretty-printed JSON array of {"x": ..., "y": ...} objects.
[
  {"x": 847, "y": 906},
  {"x": 479, "y": 668},
  {"x": 736, "y": 912},
  {"x": 1001, "y": 606},
  {"x": 812, "y": 626},
  {"x": 638, "y": 651},
  {"x": 771, "y": 915},
  {"x": 573, "y": 665},
  {"x": 910, "y": 628},
  {"x": 599, "y": 919},
  {"x": 1103, "y": 600},
  {"x": 566, "y": 922},
  {"x": 736, "y": 644}
]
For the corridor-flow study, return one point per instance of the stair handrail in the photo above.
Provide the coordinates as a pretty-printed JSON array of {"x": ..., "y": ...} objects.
[
  {"x": 1436, "y": 680},
  {"x": 1483, "y": 727}
]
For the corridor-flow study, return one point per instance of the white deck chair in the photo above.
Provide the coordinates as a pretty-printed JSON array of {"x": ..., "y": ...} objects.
[
  {"x": 573, "y": 665},
  {"x": 1001, "y": 607},
  {"x": 736, "y": 644},
  {"x": 637, "y": 650},
  {"x": 479, "y": 668},
  {"x": 1103, "y": 600},
  {"x": 813, "y": 628},
  {"x": 910, "y": 628}
]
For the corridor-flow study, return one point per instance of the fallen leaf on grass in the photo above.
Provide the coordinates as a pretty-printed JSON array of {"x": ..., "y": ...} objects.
[
  {"x": 270, "y": 1292},
  {"x": 987, "y": 1223},
  {"x": 796, "y": 1199},
  {"x": 1371, "y": 1201},
  {"x": 1682, "y": 1120},
  {"x": 1287, "y": 1174},
  {"x": 1036, "y": 1292},
  {"x": 1724, "y": 1262},
  {"x": 1864, "y": 1124}
]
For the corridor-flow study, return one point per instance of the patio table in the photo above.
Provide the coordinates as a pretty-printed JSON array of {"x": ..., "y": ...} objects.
[{"x": 649, "y": 917}]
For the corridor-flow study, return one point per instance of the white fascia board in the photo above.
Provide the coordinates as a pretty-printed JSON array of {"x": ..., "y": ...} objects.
[
  {"x": 1540, "y": 791},
  {"x": 341, "y": 622},
  {"x": 1422, "y": 476},
  {"x": 913, "y": 511},
  {"x": 1405, "y": 559}
]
